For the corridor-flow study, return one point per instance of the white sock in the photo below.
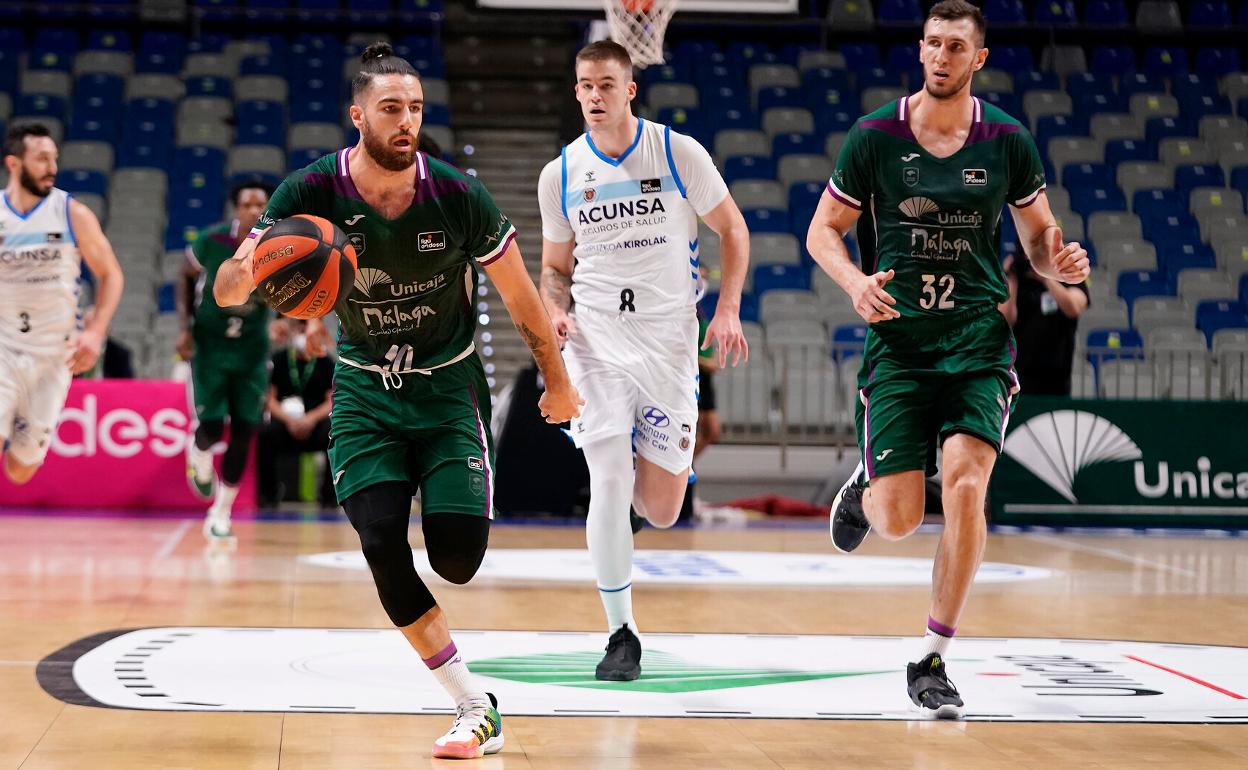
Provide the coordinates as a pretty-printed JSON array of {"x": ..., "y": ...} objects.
[
  {"x": 452, "y": 673},
  {"x": 223, "y": 503},
  {"x": 936, "y": 639},
  {"x": 607, "y": 530},
  {"x": 201, "y": 462}
]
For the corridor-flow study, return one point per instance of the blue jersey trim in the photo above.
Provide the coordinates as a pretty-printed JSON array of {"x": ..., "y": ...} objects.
[
  {"x": 617, "y": 161},
  {"x": 671, "y": 162},
  {"x": 9, "y": 203},
  {"x": 69, "y": 223},
  {"x": 563, "y": 199}
]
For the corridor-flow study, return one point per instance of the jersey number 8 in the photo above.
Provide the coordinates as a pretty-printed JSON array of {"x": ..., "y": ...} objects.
[{"x": 928, "y": 300}]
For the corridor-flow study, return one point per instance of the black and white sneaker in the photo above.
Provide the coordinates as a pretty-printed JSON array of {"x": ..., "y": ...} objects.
[
  {"x": 934, "y": 696},
  {"x": 848, "y": 522},
  {"x": 622, "y": 663}
]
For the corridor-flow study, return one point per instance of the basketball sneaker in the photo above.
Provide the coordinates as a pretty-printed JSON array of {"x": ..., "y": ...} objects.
[
  {"x": 933, "y": 694},
  {"x": 848, "y": 522},
  {"x": 635, "y": 522},
  {"x": 217, "y": 530},
  {"x": 477, "y": 731},
  {"x": 199, "y": 472},
  {"x": 622, "y": 663}
]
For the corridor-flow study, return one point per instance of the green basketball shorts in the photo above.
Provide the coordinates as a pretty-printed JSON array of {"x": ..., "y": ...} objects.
[
  {"x": 916, "y": 388},
  {"x": 430, "y": 430}
]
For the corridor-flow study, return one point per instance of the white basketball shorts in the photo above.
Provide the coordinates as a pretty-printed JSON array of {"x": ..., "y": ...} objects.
[
  {"x": 637, "y": 376},
  {"x": 32, "y": 393}
]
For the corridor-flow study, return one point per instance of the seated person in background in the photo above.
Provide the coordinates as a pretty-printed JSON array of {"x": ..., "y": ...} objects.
[
  {"x": 1044, "y": 314},
  {"x": 298, "y": 403}
]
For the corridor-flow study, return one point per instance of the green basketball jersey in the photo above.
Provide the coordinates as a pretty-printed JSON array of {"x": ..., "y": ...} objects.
[
  {"x": 414, "y": 298},
  {"x": 936, "y": 221},
  {"x": 241, "y": 331}
]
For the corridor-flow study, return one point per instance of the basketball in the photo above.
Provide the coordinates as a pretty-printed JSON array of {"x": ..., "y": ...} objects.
[
  {"x": 301, "y": 266},
  {"x": 638, "y": 6}
]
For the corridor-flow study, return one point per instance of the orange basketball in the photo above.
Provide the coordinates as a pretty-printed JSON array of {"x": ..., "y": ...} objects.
[
  {"x": 303, "y": 265},
  {"x": 638, "y": 6}
]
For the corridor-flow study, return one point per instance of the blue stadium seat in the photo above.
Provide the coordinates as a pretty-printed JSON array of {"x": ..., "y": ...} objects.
[
  {"x": 1078, "y": 175},
  {"x": 721, "y": 118},
  {"x": 1170, "y": 231},
  {"x": 1090, "y": 200},
  {"x": 779, "y": 96},
  {"x": 1013, "y": 58},
  {"x": 667, "y": 73},
  {"x": 796, "y": 144},
  {"x": 199, "y": 185},
  {"x": 1144, "y": 283},
  {"x": 273, "y": 179},
  {"x": 60, "y": 40},
  {"x": 265, "y": 11},
  {"x": 1239, "y": 181},
  {"x": 819, "y": 99},
  {"x": 1192, "y": 255},
  {"x": 1156, "y": 129},
  {"x": 1109, "y": 344},
  {"x": 46, "y": 59},
  {"x": 834, "y": 120},
  {"x": 1163, "y": 62},
  {"x": 437, "y": 114},
  {"x": 1243, "y": 291},
  {"x": 767, "y": 220},
  {"x": 264, "y": 65},
  {"x": 749, "y": 51},
  {"x": 848, "y": 340},
  {"x": 109, "y": 40},
  {"x": 198, "y": 160},
  {"x": 1056, "y": 12},
  {"x": 297, "y": 159},
  {"x": 160, "y": 53},
  {"x": 1009, "y": 235},
  {"x": 86, "y": 127},
  {"x": 1209, "y": 14},
  {"x": 208, "y": 42},
  {"x": 154, "y": 153},
  {"x": 1155, "y": 203},
  {"x": 9, "y": 69},
  {"x": 878, "y": 77},
  {"x": 1051, "y": 126},
  {"x": 216, "y": 10},
  {"x": 1191, "y": 86},
  {"x": 209, "y": 85},
  {"x": 1106, "y": 13},
  {"x": 82, "y": 181},
  {"x": 1003, "y": 101},
  {"x": 1216, "y": 62},
  {"x": 1114, "y": 60},
  {"x": 1081, "y": 85},
  {"x": 1005, "y": 12},
  {"x": 1241, "y": 18},
  {"x": 1188, "y": 178},
  {"x": 900, "y": 12},
  {"x": 261, "y": 122},
  {"x": 827, "y": 78},
  {"x": 1098, "y": 103},
  {"x": 686, "y": 121},
  {"x": 1127, "y": 150},
  {"x": 1204, "y": 105},
  {"x": 708, "y": 76},
  {"x": 730, "y": 98},
  {"x": 43, "y": 105},
  {"x": 1212, "y": 315},
  {"x": 111, "y": 10},
  {"x": 98, "y": 90},
  {"x": 749, "y": 167},
  {"x": 863, "y": 55},
  {"x": 1140, "y": 83},
  {"x": 1035, "y": 80},
  {"x": 902, "y": 57},
  {"x": 768, "y": 277}
]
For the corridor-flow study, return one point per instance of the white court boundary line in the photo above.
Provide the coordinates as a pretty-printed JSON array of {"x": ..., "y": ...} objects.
[{"x": 1111, "y": 553}]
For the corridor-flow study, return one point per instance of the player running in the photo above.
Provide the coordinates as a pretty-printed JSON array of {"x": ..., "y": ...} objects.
[
  {"x": 931, "y": 173},
  {"x": 45, "y": 235},
  {"x": 411, "y": 405},
  {"x": 228, "y": 348},
  {"x": 620, "y": 210}
]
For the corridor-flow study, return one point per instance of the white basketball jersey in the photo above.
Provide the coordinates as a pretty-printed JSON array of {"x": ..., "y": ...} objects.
[
  {"x": 39, "y": 272},
  {"x": 634, "y": 218}
]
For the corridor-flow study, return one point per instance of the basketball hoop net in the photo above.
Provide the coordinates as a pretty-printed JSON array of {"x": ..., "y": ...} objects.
[{"x": 638, "y": 25}]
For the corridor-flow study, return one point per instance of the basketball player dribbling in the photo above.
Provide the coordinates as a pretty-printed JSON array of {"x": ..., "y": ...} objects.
[
  {"x": 411, "y": 404},
  {"x": 45, "y": 236},
  {"x": 620, "y": 210},
  {"x": 932, "y": 172}
]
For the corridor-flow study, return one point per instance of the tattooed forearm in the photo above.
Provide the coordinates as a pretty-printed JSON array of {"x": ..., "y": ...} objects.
[
  {"x": 556, "y": 289},
  {"x": 531, "y": 338}
]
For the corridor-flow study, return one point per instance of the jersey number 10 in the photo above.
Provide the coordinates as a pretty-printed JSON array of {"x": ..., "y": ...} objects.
[{"x": 928, "y": 299}]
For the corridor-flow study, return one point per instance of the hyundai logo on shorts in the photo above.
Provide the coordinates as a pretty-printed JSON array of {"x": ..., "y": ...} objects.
[{"x": 655, "y": 417}]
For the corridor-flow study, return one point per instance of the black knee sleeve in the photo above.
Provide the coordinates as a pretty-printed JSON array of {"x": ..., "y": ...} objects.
[
  {"x": 380, "y": 514},
  {"x": 235, "y": 459},
  {"x": 455, "y": 543},
  {"x": 208, "y": 433}
]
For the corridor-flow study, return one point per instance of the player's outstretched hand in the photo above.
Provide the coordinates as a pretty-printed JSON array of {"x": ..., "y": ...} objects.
[
  {"x": 565, "y": 327},
  {"x": 185, "y": 346},
  {"x": 560, "y": 404},
  {"x": 871, "y": 301},
  {"x": 86, "y": 352},
  {"x": 1071, "y": 263},
  {"x": 724, "y": 331}
]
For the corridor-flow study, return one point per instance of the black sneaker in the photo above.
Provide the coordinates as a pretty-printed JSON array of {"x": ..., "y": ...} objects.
[
  {"x": 848, "y": 521},
  {"x": 622, "y": 663},
  {"x": 933, "y": 694},
  {"x": 634, "y": 521}
]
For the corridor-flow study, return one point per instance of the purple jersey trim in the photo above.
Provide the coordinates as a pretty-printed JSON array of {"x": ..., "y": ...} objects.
[{"x": 832, "y": 191}]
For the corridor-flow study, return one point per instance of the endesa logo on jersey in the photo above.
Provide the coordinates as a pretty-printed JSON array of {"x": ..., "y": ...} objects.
[
  {"x": 431, "y": 241},
  {"x": 974, "y": 177},
  {"x": 651, "y": 186}
]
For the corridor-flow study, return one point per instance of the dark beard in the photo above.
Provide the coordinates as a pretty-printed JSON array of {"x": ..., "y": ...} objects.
[
  {"x": 953, "y": 90},
  {"x": 385, "y": 156},
  {"x": 29, "y": 184}
]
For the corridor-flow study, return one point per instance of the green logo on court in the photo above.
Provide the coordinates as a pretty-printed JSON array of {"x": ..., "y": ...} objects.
[{"x": 660, "y": 672}]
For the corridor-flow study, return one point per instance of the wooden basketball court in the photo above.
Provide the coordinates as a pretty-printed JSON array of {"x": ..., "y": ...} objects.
[{"x": 63, "y": 579}]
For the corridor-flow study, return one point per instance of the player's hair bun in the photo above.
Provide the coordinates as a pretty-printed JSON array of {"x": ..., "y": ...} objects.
[{"x": 377, "y": 50}]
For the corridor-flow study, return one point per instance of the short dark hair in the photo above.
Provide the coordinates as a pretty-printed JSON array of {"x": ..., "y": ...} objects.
[
  {"x": 952, "y": 10},
  {"x": 252, "y": 183},
  {"x": 15, "y": 139},
  {"x": 379, "y": 59},
  {"x": 606, "y": 50}
]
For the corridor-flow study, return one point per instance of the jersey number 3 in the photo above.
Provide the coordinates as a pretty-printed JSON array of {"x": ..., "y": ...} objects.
[
  {"x": 25, "y": 318},
  {"x": 928, "y": 298}
]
